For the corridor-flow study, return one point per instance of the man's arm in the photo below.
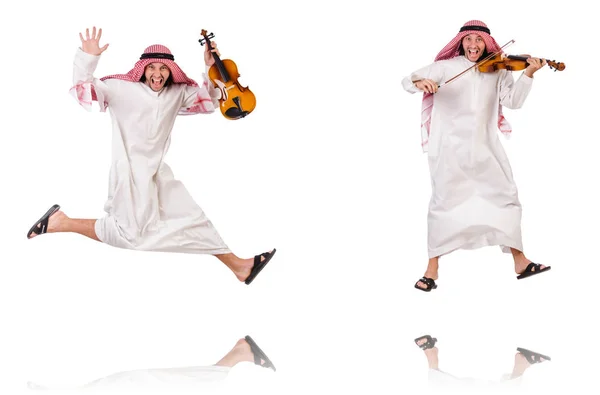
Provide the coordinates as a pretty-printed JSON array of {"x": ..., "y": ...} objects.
[{"x": 86, "y": 88}]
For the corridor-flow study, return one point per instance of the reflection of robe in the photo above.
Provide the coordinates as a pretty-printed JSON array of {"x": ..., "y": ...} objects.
[
  {"x": 147, "y": 208},
  {"x": 447, "y": 382},
  {"x": 150, "y": 380},
  {"x": 474, "y": 200}
]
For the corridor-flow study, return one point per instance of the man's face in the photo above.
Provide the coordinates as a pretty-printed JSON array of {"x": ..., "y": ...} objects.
[
  {"x": 474, "y": 46},
  {"x": 156, "y": 75}
]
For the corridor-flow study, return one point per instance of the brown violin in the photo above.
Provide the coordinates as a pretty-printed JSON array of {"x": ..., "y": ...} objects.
[
  {"x": 496, "y": 61},
  {"x": 512, "y": 63},
  {"x": 236, "y": 100}
]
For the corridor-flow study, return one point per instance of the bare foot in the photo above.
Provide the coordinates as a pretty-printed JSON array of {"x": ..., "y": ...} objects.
[
  {"x": 243, "y": 267},
  {"x": 522, "y": 364},
  {"x": 521, "y": 263},
  {"x": 241, "y": 352},
  {"x": 55, "y": 224},
  {"x": 429, "y": 274}
]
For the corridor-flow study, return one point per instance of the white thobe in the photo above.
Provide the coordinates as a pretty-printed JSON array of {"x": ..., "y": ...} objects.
[
  {"x": 444, "y": 381},
  {"x": 474, "y": 200},
  {"x": 147, "y": 208},
  {"x": 195, "y": 379}
]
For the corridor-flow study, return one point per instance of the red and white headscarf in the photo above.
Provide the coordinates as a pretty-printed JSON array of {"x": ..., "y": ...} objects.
[
  {"x": 154, "y": 53},
  {"x": 451, "y": 50},
  {"x": 85, "y": 93}
]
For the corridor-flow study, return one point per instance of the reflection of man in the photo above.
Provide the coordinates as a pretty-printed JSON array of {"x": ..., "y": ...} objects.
[
  {"x": 147, "y": 208},
  {"x": 245, "y": 350},
  {"x": 524, "y": 359}
]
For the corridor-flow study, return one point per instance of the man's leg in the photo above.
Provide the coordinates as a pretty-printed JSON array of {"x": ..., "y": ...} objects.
[
  {"x": 59, "y": 222},
  {"x": 521, "y": 365},
  {"x": 431, "y": 354}
]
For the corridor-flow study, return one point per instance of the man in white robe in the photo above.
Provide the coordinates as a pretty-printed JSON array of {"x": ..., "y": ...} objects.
[
  {"x": 474, "y": 200},
  {"x": 147, "y": 208}
]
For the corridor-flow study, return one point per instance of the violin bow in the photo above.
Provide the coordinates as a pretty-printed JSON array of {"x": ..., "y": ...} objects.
[{"x": 478, "y": 63}]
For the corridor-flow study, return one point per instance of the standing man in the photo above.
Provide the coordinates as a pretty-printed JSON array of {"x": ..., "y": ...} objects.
[
  {"x": 147, "y": 208},
  {"x": 474, "y": 200}
]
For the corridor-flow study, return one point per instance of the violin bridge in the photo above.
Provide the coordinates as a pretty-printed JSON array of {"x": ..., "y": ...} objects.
[{"x": 223, "y": 89}]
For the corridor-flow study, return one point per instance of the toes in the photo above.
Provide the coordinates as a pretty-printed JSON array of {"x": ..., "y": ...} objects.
[{"x": 263, "y": 258}]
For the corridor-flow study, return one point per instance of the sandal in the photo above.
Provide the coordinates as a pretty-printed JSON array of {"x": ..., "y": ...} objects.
[
  {"x": 41, "y": 226},
  {"x": 430, "y": 343},
  {"x": 260, "y": 358},
  {"x": 531, "y": 270},
  {"x": 259, "y": 265},
  {"x": 429, "y": 282},
  {"x": 533, "y": 357}
]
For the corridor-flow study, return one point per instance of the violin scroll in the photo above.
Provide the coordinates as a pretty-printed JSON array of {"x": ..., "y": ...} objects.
[
  {"x": 556, "y": 66},
  {"x": 205, "y": 37}
]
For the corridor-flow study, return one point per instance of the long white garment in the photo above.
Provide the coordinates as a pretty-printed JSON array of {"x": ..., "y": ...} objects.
[
  {"x": 195, "y": 379},
  {"x": 443, "y": 381},
  {"x": 474, "y": 200},
  {"x": 147, "y": 208}
]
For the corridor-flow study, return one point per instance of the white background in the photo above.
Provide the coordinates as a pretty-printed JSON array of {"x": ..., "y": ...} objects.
[{"x": 328, "y": 169}]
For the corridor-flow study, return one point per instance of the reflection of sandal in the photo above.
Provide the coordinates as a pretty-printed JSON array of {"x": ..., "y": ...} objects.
[
  {"x": 41, "y": 226},
  {"x": 533, "y": 357},
  {"x": 531, "y": 270},
  {"x": 259, "y": 264},
  {"x": 260, "y": 358},
  {"x": 430, "y": 343},
  {"x": 429, "y": 282}
]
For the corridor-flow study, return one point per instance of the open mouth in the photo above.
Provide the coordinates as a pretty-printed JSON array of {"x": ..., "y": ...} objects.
[
  {"x": 156, "y": 82},
  {"x": 473, "y": 52}
]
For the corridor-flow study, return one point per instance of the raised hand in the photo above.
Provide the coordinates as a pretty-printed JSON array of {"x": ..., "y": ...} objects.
[
  {"x": 91, "y": 45},
  {"x": 208, "y": 58}
]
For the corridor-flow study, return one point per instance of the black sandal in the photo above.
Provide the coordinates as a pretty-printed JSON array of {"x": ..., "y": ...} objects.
[
  {"x": 259, "y": 265},
  {"x": 429, "y": 282},
  {"x": 531, "y": 270},
  {"x": 260, "y": 358},
  {"x": 41, "y": 226},
  {"x": 430, "y": 343},
  {"x": 533, "y": 357}
]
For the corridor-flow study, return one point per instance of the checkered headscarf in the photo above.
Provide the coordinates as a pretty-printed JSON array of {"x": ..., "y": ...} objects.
[
  {"x": 154, "y": 53},
  {"x": 451, "y": 50}
]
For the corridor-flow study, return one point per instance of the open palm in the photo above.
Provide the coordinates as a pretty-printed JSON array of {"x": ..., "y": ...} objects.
[{"x": 91, "y": 44}]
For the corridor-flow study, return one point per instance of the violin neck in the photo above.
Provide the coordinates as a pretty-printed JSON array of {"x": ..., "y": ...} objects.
[
  {"x": 514, "y": 57},
  {"x": 218, "y": 62}
]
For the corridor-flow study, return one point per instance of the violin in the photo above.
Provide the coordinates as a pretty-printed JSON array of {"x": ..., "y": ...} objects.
[
  {"x": 496, "y": 61},
  {"x": 236, "y": 100},
  {"x": 512, "y": 63}
]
